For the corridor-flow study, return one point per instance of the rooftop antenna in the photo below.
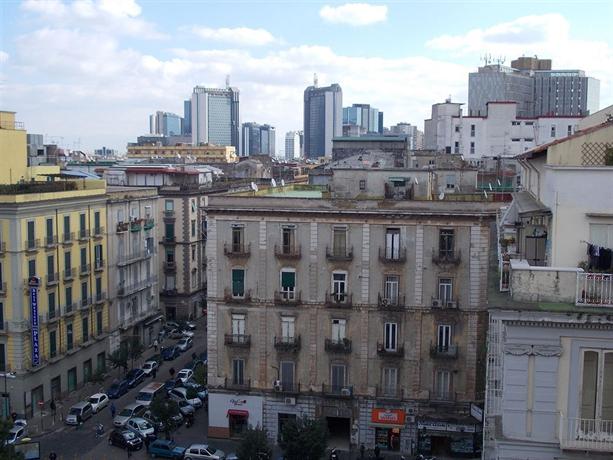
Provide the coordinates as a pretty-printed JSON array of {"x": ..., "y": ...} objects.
[
  {"x": 315, "y": 80},
  {"x": 227, "y": 81}
]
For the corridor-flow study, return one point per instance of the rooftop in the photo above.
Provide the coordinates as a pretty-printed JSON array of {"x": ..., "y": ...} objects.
[{"x": 370, "y": 139}]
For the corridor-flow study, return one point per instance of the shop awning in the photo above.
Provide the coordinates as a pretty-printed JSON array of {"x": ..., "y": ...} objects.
[
  {"x": 238, "y": 413},
  {"x": 154, "y": 319},
  {"x": 392, "y": 418}
]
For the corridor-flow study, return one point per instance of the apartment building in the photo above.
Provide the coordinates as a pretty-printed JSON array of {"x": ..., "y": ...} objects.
[
  {"x": 54, "y": 313},
  {"x": 133, "y": 219},
  {"x": 368, "y": 312},
  {"x": 200, "y": 153}
]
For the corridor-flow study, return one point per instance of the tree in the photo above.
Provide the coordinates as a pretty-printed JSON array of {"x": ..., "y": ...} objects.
[
  {"x": 119, "y": 359},
  {"x": 7, "y": 452},
  {"x": 255, "y": 445},
  {"x": 200, "y": 375},
  {"x": 164, "y": 410},
  {"x": 135, "y": 349},
  {"x": 304, "y": 439}
]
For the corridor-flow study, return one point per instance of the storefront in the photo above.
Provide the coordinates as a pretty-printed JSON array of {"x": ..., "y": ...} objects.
[
  {"x": 231, "y": 414},
  {"x": 388, "y": 424},
  {"x": 455, "y": 438}
]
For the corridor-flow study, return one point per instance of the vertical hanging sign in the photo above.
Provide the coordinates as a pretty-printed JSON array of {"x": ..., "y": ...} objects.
[{"x": 33, "y": 283}]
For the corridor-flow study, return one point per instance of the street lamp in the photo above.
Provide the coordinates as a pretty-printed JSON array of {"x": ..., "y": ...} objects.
[{"x": 6, "y": 395}]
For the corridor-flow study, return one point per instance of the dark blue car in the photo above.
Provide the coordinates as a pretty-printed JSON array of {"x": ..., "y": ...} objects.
[
  {"x": 117, "y": 389},
  {"x": 134, "y": 377},
  {"x": 171, "y": 353}
]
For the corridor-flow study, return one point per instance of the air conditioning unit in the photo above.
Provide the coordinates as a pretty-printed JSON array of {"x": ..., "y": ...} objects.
[
  {"x": 277, "y": 385},
  {"x": 290, "y": 401},
  {"x": 410, "y": 418},
  {"x": 451, "y": 304},
  {"x": 345, "y": 391},
  {"x": 436, "y": 303}
]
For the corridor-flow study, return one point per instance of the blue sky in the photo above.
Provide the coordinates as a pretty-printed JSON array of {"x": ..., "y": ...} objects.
[{"x": 91, "y": 71}]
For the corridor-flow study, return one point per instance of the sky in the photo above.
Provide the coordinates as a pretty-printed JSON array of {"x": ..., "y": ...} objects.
[{"x": 88, "y": 73}]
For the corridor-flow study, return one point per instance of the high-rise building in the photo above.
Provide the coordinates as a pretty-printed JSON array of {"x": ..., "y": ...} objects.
[
  {"x": 257, "y": 139},
  {"x": 565, "y": 92},
  {"x": 368, "y": 118},
  {"x": 165, "y": 124},
  {"x": 323, "y": 119},
  {"x": 414, "y": 135},
  {"x": 215, "y": 116},
  {"x": 187, "y": 118},
  {"x": 292, "y": 145}
]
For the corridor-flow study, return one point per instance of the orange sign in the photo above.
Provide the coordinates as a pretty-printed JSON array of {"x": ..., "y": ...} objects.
[{"x": 388, "y": 416}]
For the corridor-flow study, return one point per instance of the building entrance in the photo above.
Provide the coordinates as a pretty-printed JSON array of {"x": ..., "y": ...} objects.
[{"x": 339, "y": 429}]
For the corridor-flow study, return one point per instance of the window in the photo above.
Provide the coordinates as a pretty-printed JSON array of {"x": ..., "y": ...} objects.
[
  {"x": 68, "y": 299},
  {"x": 84, "y": 292},
  {"x": 170, "y": 255},
  {"x": 31, "y": 267},
  {"x": 442, "y": 384},
  {"x": 237, "y": 239},
  {"x": 87, "y": 370},
  {"x": 2, "y": 358},
  {"x": 98, "y": 288},
  {"x": 169, "y": 205},
  {"x": 529, "y": 123},
  {"x": 288, "y": 237},
  {"x": 238, "y": 371},
  {"x": 49, "y": 230},
  {"x": 337, "y": 372},
  {"x": 238, "y": 282},
  {"x": 446, "y": 239},
  {"x": 99, "y": 322},
  {"x": 193, "y": 205},
  {"x": 81, "y": 224},
  {"x": 456, "y": 147},
  {"x": 31, "y": 235},
  {"x": 193, "y": 252},
  {"x": 83, "y": 253},
  {"x": 450, "y": 181},
  {"x": 339, "y": 242},
  {"x": 390, "y": 342},
  {"x": 443, "y": 340},
  {"x": 472, "y": 148},
  {"x": 101, "y": 362},
  {"x": 67, "y": 228},
  {"x": 569, "y": 130},
  {"x": 52, "y": 344},
  {"x": 515, "y": 123},
  {"x": 339, "y": 286},
  {"x": 193, "y": 227},
  {"x": 288, "y": 284},
  {"x": 98, "y": 256},
  {"x": 339, "y": 328},
  {"x": 52, "y": 306},
  {"x": 528, "y": 139},
  {"x": 392, "y": 243},
  {"x": 391, "y": 289},
  {"x": 72, "y": 379},
  {"x": 553, "y": 131},
  {"x": 170, "y": 231},
  {"x": 85, "y": 329},
  {"x": 1, "y": 316},
  {"x": 286, "y": 369},
  {"x": 238, "y": 324},
  {"x": 515, "y": 139},
  {"x": 287, "y": 327},
  {"x": 390, "y": 380},
  {"x": 457, "y": 128},
  {"x": 362, "y": 185},
  {"x": 597, "y": 387},
  {"x": 97, "y": 228},
  {"x": 51, "y": 267},
  {"x": 69, "y": 338},
  {"x": 602, "y": 235},
  {"x": 472, "y": 130},
  {"x": 445, "y": 290}
]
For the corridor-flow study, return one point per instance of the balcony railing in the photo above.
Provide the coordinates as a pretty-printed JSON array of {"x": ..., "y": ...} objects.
[
  {"x": 69, "y": 308},
  {"x": 136, "y": 225},
  {"x": 169, "y": 214},
  {"x": 98, "y": 232},
  {"x": 237, "y": 250},
  {"x": 338, "y": 300},
  {"x": 68, "y": 238},
  {"x": 125, "y": 259},
  {"x": 443, "y": 257},
  {"x": 85, "y": 303},
  {"x": 229, "y": 384},
  {"x": 69, "y": 274},
  {"x": 32, "y": 245},
  {"x": 442, "y": 396},
  {"x": 339, "y": 254},
  {"x": 149, "y": 224},
  {"x": 53, "y": 279},
  {"x": 100, "y": 297},
  {"x": 170, "y": 266},
  {"x": 443, "y": 351},
  {"x": 123, "y": 227},
  {"x": 594, "y": 289},
  {"x": 288, "y": 297},
  {"x": 390, "y": 392},
  {"x": 237, "y": 340},
  {"x": 338, "y": 345},
  {"x": 291, "y": 344},
  {"x": 449, "y": 304},
  {"x": 2, "y": 248},
  {"x": 83, "y": 234},
  {"x": 397, "y": 352},
  {"x": 84, "y": 269},
  {"x": 389, "y": 256},
  {"x": 288, "y": 252},
  {"x": 586, "y": 434},
  {"x": 286, "y": 387},
  {"x": 98, "y": 265},
  {"x": 391, "y": 303},
  {"x": 3, "y": 289},
  {"x": 169, "y": 239},
  {"x": 125, "y": 290},
  {"x": 230, "y": 297},
  {"x": 50, "y": 241},
  {"x": 341, "y": 391}
]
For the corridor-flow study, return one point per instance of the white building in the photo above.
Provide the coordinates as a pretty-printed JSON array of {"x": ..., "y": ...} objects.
[
  {"x": 292, "y": 145},
  {"x": 499, "y": 133}
]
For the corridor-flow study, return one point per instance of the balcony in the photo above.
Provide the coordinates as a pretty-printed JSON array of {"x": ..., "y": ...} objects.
[
  {"x": 83, "y": 234},
  {"x": 442, "y": 396},
  {"x": 443, "y": 351},
  {"x": 84, "y": 269},
  {"x": 100, "y": 298},
  {"x": 339, "y": 254},
  {"x": 168, "y": 291},
  {"x": 69, "y": 274},
  {"x": 50, "y": 241},
  {"x": 32, "y": 245},
  {"x": 149, "y": 224},
  {"x": 388, "y": 256},
  {"x": 3, "y": 289},
  {"x": 170, "y": 266},
  {"x": 98, "y": 232},
  {"x": 446, "y": 258},
  {"x": 126, "y": 259},
  {"x": 340, "y": 391},
  {"x": 69, "y": 308},
  {"x": 230, "y": 297},
  {"x": 85, "y": 303},
  {"x": 237, "y": 340},
  {"x": 288, "y": 344},
  {"x": 52, "y": 279},
  {"x": 99, "y": 265},
  {"x": 51, "y": 316},
  {"x": 169, "y": 239},
  {"x": 586, "y": 434},
  {"x": 444, "y": 304},
  {"x": 237, "y": 251},
  {"x": 123, "y": 227},
  {"x": 68, "y": 238},
  {"x": 125, "y": 290},
  {"x": 169, "y": 214},
  {"x": 288, "y": 252},
  {"x": 229, "y": 384},
  {"x": 341, "y": 346},
  {"x": 390, "y": 392},
  {"x": 384, "y": 352},
  {"x": 2, "y": 248},
  {"x": 338, "y": 300},
  {"x": 136, "y": 225},
  {"x": 16, "y": 326},
  {"x": 287, "y": 297},
  {"x": 291, "y": 388},
  {"x": 594, "y": 290},
  {"x": 392, "y": 303}
]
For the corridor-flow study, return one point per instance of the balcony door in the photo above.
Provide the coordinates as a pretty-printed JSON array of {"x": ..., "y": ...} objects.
[
  {"x": 391, "y": 336},
  {"x": 238, "y": 325},
  {"x": 288, "y": 328},
  {"x": 442, "y": 384},
  {"x": 288, "y": 284},
  {"x": 392, "y": 243},
  {"x": 287, "y": 375},
  {"x": 338, "y": 329},
  {"x": 445, "y": 290},
  {"x": 390, "y": 381},
  {"x": 338, "y": 375},
  {"x": 597, "y": 387},
  {"x": 444, "y": 337},
  {"x": 391, "y": 289},
  {"x": 339, "y": 242}
]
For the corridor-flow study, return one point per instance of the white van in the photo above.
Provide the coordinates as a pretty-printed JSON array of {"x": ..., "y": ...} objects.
[{"x": 150, "y": 392}]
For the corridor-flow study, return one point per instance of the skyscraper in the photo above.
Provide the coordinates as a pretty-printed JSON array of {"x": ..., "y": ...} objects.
[
  {"x": 215, "y": 116},
  {"x": 187, "y": 118},
  {"x": 323, "y": 119},
  {"x": 165, "y": 124},
  {"x": 292, "y": 145},
  {"x": 257, "y": 139},
  {"x": 368, "y": 118}
]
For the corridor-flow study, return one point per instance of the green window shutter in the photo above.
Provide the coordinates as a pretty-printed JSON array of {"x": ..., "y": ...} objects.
[
  {"x": 288, "y": 280},
  {"x": 238, "y": 282}
]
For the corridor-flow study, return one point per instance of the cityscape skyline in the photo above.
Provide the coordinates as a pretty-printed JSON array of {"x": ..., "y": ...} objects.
[{"x": 272, "y": 75}]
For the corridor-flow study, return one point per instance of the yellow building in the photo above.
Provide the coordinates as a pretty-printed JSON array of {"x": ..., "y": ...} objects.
[
  {"x": 54, "y": 316},
  {"x": 200, "y": 153}
]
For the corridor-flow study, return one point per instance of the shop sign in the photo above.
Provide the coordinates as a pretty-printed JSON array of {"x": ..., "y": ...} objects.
[
  {"x": 444, "y": 426},
  {"x": 34, "y": 320},
  {"x": 476, "y": 412},
  {"x": 238, "y": 402},
  {"x": 388, "y": 416}
]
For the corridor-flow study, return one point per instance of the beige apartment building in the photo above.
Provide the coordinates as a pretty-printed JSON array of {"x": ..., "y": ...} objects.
[{"x": 369, "y": 312}]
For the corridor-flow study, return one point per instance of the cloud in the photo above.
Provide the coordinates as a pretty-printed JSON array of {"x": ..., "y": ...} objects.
[
  {"x": 355, "y": 14},
  {"x": 242, "y": 36},
  {"x": 4, "y": 56}
]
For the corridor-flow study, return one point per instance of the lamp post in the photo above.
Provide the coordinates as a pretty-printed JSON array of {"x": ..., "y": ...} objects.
[{"x": 6, "y": 395}]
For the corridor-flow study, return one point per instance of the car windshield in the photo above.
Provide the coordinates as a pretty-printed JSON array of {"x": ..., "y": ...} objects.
[
  {"x": 11, "y": 436},
  {"x": 126, "y": 413},
  {"x": 93, "y": 400},
  {"x": 114, "y": 387},
  {"x": 147, "y": 366},
  {"x": 75, "y": 411},
  {"x": 129, "y": 435},
  {"x": 145, "y": 396},
  {"x": 144, "y": 425}
]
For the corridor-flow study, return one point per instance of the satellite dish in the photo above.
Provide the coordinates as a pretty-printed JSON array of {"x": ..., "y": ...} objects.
[
  {"x": 416, "y": 181},
  {"x": 273, "y": 182},
  {"x": 485, "y": 194},
  {"x": 441, "y": 196},
  {"x": 254, "y": 186},
  {"x": 282, "y": 182},
  {"x": 490, "y": 185},
  {"x": 498, "y": 180}
]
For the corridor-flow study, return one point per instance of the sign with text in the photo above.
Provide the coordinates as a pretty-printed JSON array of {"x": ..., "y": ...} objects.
[
  {"x": 34, "y": 320},
  {"x": 476, "y": 412},
  {"x": 388, "y": 416}
]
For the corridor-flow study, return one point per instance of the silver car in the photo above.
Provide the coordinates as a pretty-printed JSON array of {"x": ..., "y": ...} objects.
[
  {"x": 131, "y": 410},
  {"x": 206, "y": 451},
  {"x": 180, "y": 394},
  {"x": 141, "y": 427}
]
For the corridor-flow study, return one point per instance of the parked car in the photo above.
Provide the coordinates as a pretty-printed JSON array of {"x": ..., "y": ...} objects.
[
  {"x": 195, "y": 364},
  {"x": 185, "y": 408},
  {"x": 170, "y": 325},
  {"x": 184, "y": 375},
  {"x": 171, "y": 353},
  {"x": 177, "y": 420},
  {"x": 99, "y": 401},
  {"x": 149, "y": 367},
  {"x": 170, "y": 384},
  {"x": 134, "y": 377},
  {"x": 175, "y": 334},
  {"x": 200, "y": 390},
  {"x": 125, "y": 439},
  {"x": 185, "y": 343},
  {"x": 143, "y": 428},
  {"x": 189, "y": 325},
  {"x": 206, "y": 451},
  {"x": 81, "y": 411},
  {"x": 117, "y": 389},
  {"x": 180, "y": 394},
  {"x": 166, "y": 448},
  {"x": 16, "y": 434},
  {"x": 131, "y": 410},
  {"x": 186, "y": 333},
  {"x": 157, "y": 358}
]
